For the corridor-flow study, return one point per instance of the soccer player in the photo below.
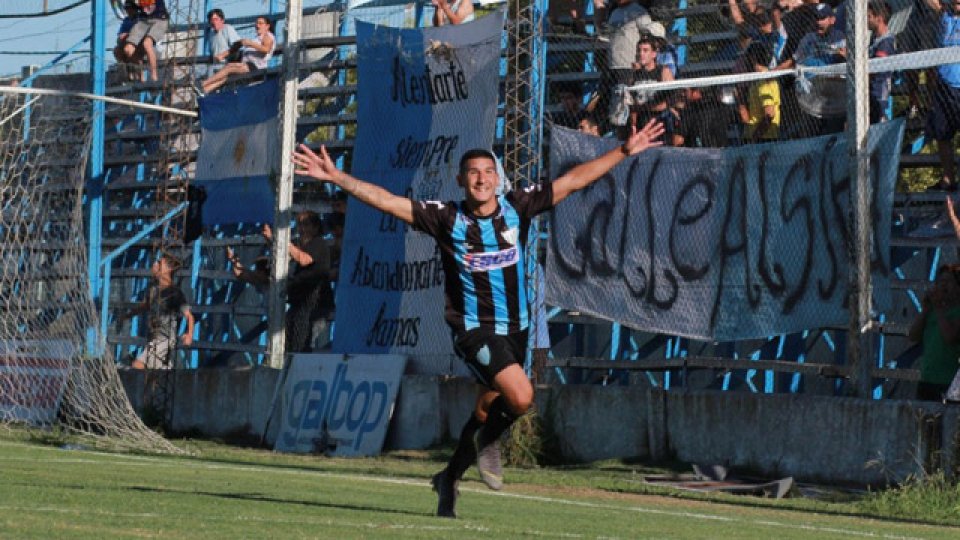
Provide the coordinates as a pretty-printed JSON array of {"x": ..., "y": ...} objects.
[{"x": 482, "y": 240}]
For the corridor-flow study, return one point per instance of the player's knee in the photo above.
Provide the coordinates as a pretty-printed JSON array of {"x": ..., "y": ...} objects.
[{"x": 520, "y": 402}]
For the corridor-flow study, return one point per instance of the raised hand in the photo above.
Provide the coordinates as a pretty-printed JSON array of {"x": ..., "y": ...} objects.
[
  {"x": 318, "y": 166},
  {"x": 645, "y": 138}
]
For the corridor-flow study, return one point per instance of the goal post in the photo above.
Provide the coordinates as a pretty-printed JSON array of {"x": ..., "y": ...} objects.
[{"x": 48, "y": 378}]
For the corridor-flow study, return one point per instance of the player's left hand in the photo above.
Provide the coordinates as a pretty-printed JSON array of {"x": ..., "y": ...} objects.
[
  {"x": 186, "y": 339},
  {"x": 645, "y": 138},
  {"x": 318, "y": 166}
]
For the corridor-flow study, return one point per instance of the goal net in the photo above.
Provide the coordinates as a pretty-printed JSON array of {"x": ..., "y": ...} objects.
[{"x": 53, "y": 371}]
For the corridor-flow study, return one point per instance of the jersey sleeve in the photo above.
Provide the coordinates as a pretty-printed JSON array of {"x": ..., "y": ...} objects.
[
  {"x": 430, "y": 217},
  {"x": 532, "y": 200}
]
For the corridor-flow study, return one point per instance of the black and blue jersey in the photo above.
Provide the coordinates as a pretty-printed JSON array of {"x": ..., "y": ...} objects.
[{"x": 483, "y": 258}]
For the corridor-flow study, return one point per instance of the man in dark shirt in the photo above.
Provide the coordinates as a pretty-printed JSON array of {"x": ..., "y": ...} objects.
[
  {"x": 704, "y": 121},
  {"x": 482, "y": 240},
  {"x": 308, "y": 287}
]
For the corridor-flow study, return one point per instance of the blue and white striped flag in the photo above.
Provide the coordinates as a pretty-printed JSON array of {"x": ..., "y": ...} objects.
[{"x": 239, "y": 154}]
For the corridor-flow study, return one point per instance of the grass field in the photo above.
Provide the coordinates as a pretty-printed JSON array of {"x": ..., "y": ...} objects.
[{"x": 224, "y": 492}]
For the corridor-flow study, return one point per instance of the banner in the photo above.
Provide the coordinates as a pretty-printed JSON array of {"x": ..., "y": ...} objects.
[
  {"x": 718, "y": 244},
  {"x": 239, "y": 148},
  {"x": 338, "y": 405},
  {"x": 425, "y": 97},
  {"x": 33, "y": 376}
]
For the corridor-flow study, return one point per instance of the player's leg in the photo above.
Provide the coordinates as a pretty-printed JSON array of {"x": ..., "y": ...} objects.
[{"x": 513, "y": 398}]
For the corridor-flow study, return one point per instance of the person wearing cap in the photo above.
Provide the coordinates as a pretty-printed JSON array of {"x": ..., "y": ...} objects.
[
  {"x": 827, "y": 45},
  {"x": 482, "y": 243},
  {"x": 943, "y": 120}
]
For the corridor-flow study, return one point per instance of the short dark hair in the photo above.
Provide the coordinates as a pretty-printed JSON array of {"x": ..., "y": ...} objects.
[
  {"x": 650, "y": 40},
  {"x": 269, "y": 21},
  {"x": 311, "y": 218},
  {"x": 473, "y": 154},
  {"x": 879, "y": 8},
  {"x": 216, "y": 11}
]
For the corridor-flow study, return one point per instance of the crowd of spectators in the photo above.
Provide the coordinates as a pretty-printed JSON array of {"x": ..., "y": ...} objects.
[{"x": 782, "y": 35}]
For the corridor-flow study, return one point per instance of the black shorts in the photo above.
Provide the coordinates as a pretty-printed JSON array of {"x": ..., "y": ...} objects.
[{"x": 487, "y": 354}]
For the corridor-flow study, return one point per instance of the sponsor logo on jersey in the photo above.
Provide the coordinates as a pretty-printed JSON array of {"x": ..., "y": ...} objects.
[{"x": 484, "y": 262}]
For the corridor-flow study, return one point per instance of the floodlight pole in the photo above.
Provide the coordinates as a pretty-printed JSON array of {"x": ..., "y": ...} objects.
[
  {"x": 860, "y": 336},
  {"x": 281, "y": 237}
]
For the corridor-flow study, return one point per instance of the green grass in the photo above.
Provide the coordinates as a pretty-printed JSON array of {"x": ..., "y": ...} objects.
[{"x": 225, "y": 492}]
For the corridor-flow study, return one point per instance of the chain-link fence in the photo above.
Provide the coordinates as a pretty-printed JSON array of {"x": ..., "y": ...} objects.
[{"x": 599, "y": 48}]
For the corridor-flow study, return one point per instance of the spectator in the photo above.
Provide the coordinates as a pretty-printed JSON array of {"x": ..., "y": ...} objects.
[
  {"x": 882, "y": 43},
  {"x": 797, "y": 19},
  {"x": 151, "y": 26},
  {"x": 750, "y": 18},
  {"x": 458, "y": 12},
  {"x": 308, "y": 287},
  {"x": 761, "y": 112},
  {"x": 667, "y": 54},
  {"x": 136, "y": 60},
  {"x": 919, "y": 36},
  {"x": 627, "y": 22},
  {"x": 827, "y": 45},
  {"x": 797, "y": 22},
  {"x": 588, "y": 124},
  {"x": 164, "y": 301},
  {"x": 704, "y": 120},
  {"x": 571, "y": 102},
  {"x": 650, "y": 104},
  {"x": 256, "y": 54},
  {"x": 937, "y": 329},
  {"x": 222, "y": 37},
  {"x": 257, "y": 275},
  {"x": 943, "y": 120}
]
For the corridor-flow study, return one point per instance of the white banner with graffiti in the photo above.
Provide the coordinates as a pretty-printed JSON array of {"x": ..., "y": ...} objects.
[{"x": 718, "y": 244}]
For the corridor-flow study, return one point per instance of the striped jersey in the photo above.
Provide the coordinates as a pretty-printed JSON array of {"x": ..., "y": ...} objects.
[{"x": 483, "y": 258}]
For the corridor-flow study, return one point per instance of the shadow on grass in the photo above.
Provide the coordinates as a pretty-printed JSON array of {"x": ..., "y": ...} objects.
[{"x": 262, "y": 498}]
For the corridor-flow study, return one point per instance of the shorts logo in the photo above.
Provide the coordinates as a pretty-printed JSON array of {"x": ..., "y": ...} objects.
[
  {"x": 483, "y": 356},
  {"x": 484, "y": 262}
]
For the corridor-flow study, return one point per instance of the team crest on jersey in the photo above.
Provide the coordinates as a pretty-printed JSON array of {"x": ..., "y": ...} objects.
[
  {"x": 510, "y": 236},
  {"x": 484, "y": 262}
]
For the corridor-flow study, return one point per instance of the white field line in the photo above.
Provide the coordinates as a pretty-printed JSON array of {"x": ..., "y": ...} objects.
[{"x": 133, "y": 460}]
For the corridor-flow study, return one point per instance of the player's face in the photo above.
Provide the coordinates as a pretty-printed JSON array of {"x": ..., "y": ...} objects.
[{"x": 480, "y": 180}]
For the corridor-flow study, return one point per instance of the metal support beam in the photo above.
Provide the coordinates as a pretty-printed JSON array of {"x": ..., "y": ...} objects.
[
  {"x": 95, "y": 176},
  {"x": 281, "y": 237},
  {"x": 859, "y": 337}
]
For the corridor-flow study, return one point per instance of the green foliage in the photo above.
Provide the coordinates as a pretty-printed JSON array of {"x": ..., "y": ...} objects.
[
  {"x": 530, "y": 443},
  {"x": 930, "y": 498}
]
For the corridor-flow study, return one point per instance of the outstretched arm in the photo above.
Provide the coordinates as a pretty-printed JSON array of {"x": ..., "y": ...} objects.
[
  {"x": 952, "y": 214},
  {"x": 587, "y": 173},
  {"x": 321, "y": 167}
]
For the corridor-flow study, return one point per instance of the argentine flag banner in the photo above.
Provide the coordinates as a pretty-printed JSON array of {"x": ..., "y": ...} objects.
[
  {"x": 239, "y": 151},
  {"x": 425, "y": 96}
]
